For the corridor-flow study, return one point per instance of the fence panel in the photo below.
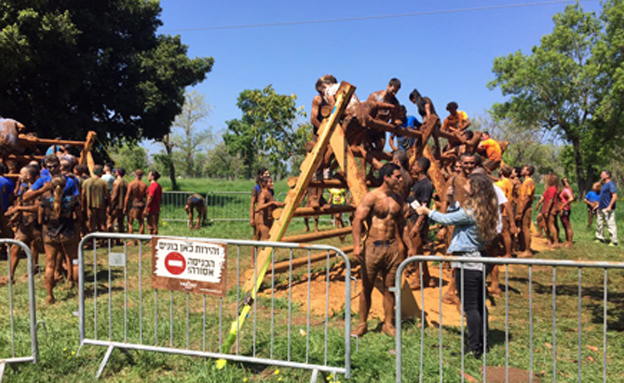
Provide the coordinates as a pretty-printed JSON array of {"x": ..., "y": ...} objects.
[
  {"x": 172, "y": 206},
  {"x": 552, "y": 322},
  {"x": 228, "y": 205},
  {"x": 293, "y": 323},
  {"x": 19, "y": 345}
]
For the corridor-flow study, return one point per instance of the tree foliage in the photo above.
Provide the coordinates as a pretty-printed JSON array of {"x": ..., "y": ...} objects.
[
  {"x": 566, "y": 85},
  {"x": 129, "y": 156},
  {"x": 266, "y": 131},
  {"x": 70, "y": 67}
]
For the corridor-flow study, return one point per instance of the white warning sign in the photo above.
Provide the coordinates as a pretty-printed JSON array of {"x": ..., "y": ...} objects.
[{"x": 189, "y": 265}]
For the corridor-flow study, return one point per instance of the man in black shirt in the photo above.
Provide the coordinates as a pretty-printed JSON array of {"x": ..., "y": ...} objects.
[{"x": 422, "y": 193}]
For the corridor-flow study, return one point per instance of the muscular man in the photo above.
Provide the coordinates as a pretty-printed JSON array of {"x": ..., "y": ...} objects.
[
  {"x": 96, "y": 199},
  {"x": 524, "y": 210},
  {"x": 387, "y": 96},
  {"x": 135, "y": 202},
  {"x": 399, "y": 158},
  {"x": 320, "y": 108},
  {"x": 195, "y": 202},
  {"x": 383, "y": 211},
  {"x": 418, "y": 225},
  {"x": 116, "y": 208},
  {"x": 430, "y": 120},
  {"x": 28, "y": 228}
]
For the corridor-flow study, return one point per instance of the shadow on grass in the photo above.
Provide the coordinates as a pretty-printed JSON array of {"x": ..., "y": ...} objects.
[{"x": 102, "y": 278}]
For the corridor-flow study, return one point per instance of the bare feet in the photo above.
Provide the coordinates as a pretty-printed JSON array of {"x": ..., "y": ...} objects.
[
  {"x": 4, "y": 281},
  {"x": 360, "y": 330},
  {"x": 388, "y": 329},
  {"x": 50, "y": 300},
  {"x": 494, "y": 291},
  {"x": 525, "y": 254},
  {"x": 68, "y": 285},
  {"x": 450, "y": 299}
]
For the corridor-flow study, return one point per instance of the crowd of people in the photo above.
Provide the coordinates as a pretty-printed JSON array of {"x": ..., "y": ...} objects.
[
  {"x": 55, "y": 202},
  {"x": 481, "y": 207}
]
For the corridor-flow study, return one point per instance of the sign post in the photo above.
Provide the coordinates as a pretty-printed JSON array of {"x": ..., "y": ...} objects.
[{"x": 191, "y": 266}]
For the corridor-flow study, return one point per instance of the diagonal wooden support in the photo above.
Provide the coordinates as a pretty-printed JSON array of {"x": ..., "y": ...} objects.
[{"x": 293, "y": 199}]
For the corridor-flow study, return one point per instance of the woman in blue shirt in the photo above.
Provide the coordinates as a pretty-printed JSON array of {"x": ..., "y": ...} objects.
[{"x": 475, "y": 224}]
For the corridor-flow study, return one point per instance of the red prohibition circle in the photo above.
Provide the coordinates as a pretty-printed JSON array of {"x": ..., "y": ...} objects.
[{"x": 175, "y": 263}]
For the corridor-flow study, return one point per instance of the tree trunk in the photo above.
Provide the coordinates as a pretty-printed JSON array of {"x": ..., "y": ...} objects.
[
  {"x": 172, "y": 173},
  {"x": 581, "y": 178}
]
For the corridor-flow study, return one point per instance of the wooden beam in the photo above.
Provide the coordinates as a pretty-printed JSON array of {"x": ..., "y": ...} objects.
[
  {"x": 310, "y": 211},
  {"x": 32, "y": 141},
  {"x": 284, "y": 266},
  {"x": 435, "y": 174},
  {"x": 25, "y": 157},
  {"x": 325, "y": 184},
  {"x": 383, "y": 126},
  {"x": 349, "y": 166},
  {"x": 295, "y": 196},
  {"x": 382, "y": 156},
  {"x": 311, "y": 237}
]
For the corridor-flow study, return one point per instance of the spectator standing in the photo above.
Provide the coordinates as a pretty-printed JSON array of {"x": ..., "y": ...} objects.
[
  {"x": 606, "y": 209},
  {"x": 566, "y": 197},
  {"x": 591, "y": 199}
]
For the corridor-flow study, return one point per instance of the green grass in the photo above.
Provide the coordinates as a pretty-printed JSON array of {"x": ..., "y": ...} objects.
[{"x": 58, "y": 338}]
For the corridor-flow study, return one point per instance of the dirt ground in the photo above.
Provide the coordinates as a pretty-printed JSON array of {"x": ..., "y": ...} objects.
[{"x": 428, "y": 298}]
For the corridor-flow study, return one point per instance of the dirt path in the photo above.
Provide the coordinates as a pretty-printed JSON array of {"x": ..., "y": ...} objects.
[{"x": 431, "y": 302}]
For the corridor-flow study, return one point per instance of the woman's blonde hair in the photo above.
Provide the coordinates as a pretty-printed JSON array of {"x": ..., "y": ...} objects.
[
  {"x": 58, "y": 184},
  {"x": 483, "y": 205}
]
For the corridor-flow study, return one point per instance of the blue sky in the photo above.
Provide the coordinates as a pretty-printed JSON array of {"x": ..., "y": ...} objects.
[{"x": 447, "y": 55}]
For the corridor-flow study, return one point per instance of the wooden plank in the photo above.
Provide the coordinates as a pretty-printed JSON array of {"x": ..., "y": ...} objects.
[
  {"x": 311, "y": 237},
  {"x": 383, "y": 126},
  {"x": 325, "y": 184},
  {"x": 293, "y": 200},
  {"x": 295, "y": 195},
  {"x": 310, "y": 211},
  {"x": 381, "y": 156},
  {"x": 26, "y": 140},
  {"x": 281, "y": 267},
  {"x": 349, "y": 166},
  {"x": 435, "y": 174}
]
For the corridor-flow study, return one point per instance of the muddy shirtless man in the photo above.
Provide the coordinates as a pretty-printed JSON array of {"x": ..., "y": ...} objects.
[
  {"x": 195, "y": 202},
  {"x": 387, "y": 96},
  {"x": 135, "y": 202},
  {"x": 383, "y": 211}
]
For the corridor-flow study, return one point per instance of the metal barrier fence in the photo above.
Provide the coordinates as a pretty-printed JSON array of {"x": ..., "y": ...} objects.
[
  {"x": 221, "y": 206},
  {"x": 291, "y": 323},
  {"x": 172, "y": 206},
  {"x": 555, "y": 345},
  {"x": 18, "y": 316},
  {"x": 228, "y": 205}
]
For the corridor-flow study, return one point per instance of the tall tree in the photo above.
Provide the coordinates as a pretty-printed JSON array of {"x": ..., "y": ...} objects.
[
  {"x": 266, "y": 130},
  {"x": 188, "y": 136},
  {"x": 70, "y": 67},
  {"x": 560, "y": 86}
]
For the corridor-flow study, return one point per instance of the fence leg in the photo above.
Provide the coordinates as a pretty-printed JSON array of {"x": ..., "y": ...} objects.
[
  {"x": 107, "y": 356},
  {"x": 315, "y": 375},
  {"x": 2, "y": 366}
]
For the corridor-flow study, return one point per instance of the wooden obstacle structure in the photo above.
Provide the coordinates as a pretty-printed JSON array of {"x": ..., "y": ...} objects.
[
  {"x": 24, "y": 148},
  {"x": 353, "y": 176}
]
